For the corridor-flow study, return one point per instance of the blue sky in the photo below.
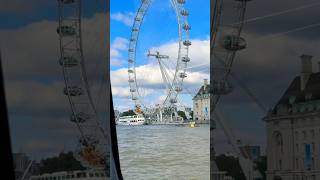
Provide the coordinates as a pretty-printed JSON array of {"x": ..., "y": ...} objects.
[{"x": 159, "y": 31}]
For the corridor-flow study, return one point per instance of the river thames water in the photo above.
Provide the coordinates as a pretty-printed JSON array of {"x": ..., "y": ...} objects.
[{"x": 164, "y": 152}]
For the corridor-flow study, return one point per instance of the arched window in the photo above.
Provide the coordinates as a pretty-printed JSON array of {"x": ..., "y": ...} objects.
[
  {"x": 277, "y": 149},
  {"x": 278, "y": 141}
]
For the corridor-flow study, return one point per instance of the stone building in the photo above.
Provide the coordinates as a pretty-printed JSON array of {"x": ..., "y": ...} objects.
[
  {"x": 21, "y": 162},
  {"x": 293, "y": 129},
  {"x": 201, "y": 104}
]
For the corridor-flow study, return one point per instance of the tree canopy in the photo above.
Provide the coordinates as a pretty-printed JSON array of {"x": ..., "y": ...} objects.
[
  {"x": 62, "y": 162},
  {"x": 128, "y": 113}
]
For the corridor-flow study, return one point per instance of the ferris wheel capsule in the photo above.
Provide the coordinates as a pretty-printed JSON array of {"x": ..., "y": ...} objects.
[
  {"x": 131, "y": 80},
  {"x": 66, "y": 30},
  {"x": 66, "y": 1},
  {"x": 130, "y": 71},
  {"x": 185, "y": 59},
  {"x": 181, "y": 1},
  {"x": 131, "y": 50},
  {"x": 183, "y": 75},
  {"x": 130, "y": 61},
  {"x": 178, "y": 89},
  {"x": 186, "y": 27},
  {"x": 132, "y": 90},
  {"x": 88, "y": 141},
  {"x": 184, "y": 12},
  {"x": 73, "y": 91},
  {"x": 187, "y": 43},
  {"x": 234, "y": 43},
  {"x": 80, "y": 117},
  {"x": 172, "y": 101},
  {"x": 68, "y": 61}
]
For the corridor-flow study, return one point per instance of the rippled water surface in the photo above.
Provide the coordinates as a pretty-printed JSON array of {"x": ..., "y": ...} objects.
[{"x": 164, "y": 152}]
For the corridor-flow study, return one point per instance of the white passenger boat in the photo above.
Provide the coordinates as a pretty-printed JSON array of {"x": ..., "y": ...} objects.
[
  {"x": 132, "y": 120},
  {"x": 74, "y": 175}
]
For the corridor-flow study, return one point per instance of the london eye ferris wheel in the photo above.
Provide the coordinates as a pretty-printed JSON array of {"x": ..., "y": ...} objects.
[
  {"x": 172, "y": 70},
  {"x": 83, "y": 60}
]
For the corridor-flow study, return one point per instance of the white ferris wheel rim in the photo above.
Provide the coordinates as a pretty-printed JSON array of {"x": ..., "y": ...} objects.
[
  {"x": 182, "y": 54},
  {"x": 77, "y": 89}
]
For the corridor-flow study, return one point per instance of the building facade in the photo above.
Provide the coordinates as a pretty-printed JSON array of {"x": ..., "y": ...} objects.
[
  {"x": 20, "y": 162},
  {"x": 293, "y": 129},
  {"x": 201, "y": 104}
]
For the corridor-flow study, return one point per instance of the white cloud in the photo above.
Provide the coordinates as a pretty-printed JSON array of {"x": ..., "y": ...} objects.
[
  {"x": 118, "y": 45},
  {"x": 199, "y": 51},
  {"x": 149, "y": 75},
  {"x": 125, "y": 18},
  {"x": 120, "y": 91}
]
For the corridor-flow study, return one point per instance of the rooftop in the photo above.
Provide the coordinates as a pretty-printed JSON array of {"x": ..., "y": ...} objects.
[
  {"x": 204, "y": 90},
  {"x": 294, "y": 94}
]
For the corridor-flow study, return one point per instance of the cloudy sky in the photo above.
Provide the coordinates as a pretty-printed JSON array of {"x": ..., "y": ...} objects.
[
  {"x": 159, "y": 32},
  {"x": 277, "y": 34},
  {"x": 39, "y": 112}
]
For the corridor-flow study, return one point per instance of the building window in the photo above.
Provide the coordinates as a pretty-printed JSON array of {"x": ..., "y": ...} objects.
[
  {"x": 304, "y": 134},
  {"x": 313, "y": 149},
  {"x": 297, "y": 147},
  {"x": 297, "y": 135},
  {"x": 280, "y": 164},
  {"x": 312, "y": 133},
  {"x": 278, "y": 142},
  {"x": 312, "y": 163}
]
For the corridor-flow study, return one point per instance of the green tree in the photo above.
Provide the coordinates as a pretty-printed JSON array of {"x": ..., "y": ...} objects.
[
  {"x": 128, "y": 113},
  {"x": 182, "y": 114},
  {"x": 231, "y": 166},
  {"x": 63, "y": 162},
  {"x": 262, "y": 165}
]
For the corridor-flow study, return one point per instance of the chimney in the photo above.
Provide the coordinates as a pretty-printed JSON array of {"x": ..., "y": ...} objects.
[
  {"x": 205, "y": 84},
  {"x": 306, "y": 70}
]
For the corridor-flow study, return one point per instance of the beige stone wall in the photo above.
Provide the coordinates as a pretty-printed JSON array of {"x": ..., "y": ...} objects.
[
  {"x": 198, "y": 110},
  {"x": 286, "y": 158}
]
